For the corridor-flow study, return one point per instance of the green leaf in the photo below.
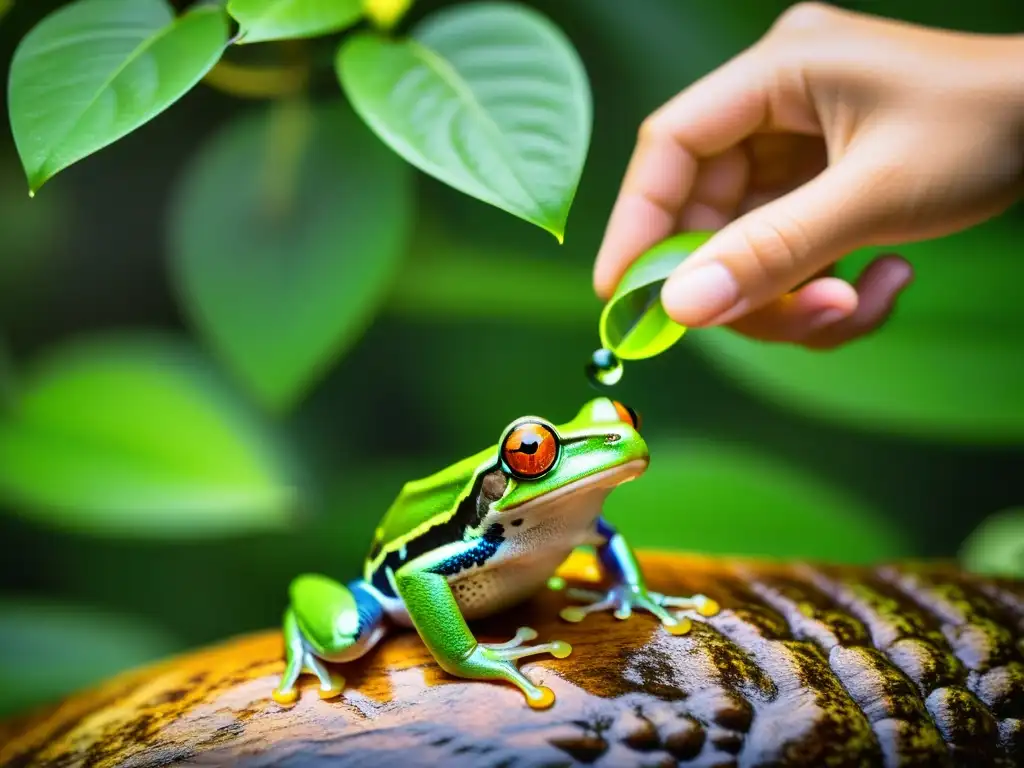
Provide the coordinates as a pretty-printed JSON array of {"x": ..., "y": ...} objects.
[
  {"x": 447, "y": 277},
  {"x": 135, "y": 436},
  {"x": 490, "y": 98},
  {"x": 95, "y": 70},
  {"x": 285, "y": 236},
  {"x": 716, "y": 498},
  {"x": 633, "y": 324},
  {"x": 6, "y": 377},
  {"x": 262, "y": 20},
  {"x": 996, "y": 547},
  {"x": 49, "y": 650},
  {"x": 947, "y": 366}
]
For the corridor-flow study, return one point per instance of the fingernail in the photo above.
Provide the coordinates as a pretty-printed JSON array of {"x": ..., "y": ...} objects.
[
  {"x": 695, "y": 297},
  {"x": 825, "y": 318}
]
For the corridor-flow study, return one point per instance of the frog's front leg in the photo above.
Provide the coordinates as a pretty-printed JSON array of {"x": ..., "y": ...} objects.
[
  {"x": 423, "y": 586},
  {"x": 629, "y": 589}
]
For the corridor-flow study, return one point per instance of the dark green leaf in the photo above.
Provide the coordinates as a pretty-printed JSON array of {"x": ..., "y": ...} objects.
[
  {"x": 96, "y": 70},
  {"x": 996, "y": 547},
  {"x": 262, "y": 20},
  {"x": 447, "y": 277},
  {"x": 490, "y": 98},
  {"x": 948, "y": 365},
  {"x": 717, "y": 498},
  {"x": 134, "y": 436},
  {"x": 286, "y": 235},
  {"x": 6, "y": 377},
  {"x": 49, "y": 650}
]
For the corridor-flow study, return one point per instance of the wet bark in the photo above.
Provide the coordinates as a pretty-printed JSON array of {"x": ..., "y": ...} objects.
[{"x": 804, "y": 666}]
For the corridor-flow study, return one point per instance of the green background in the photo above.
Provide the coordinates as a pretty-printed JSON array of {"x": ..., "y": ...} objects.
[{"x": 898, "y": 446}]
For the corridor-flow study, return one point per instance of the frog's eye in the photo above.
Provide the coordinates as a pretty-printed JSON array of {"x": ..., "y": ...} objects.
[
  {"x": 627, "y": 414},
  {"x": 530, "y": 450}
]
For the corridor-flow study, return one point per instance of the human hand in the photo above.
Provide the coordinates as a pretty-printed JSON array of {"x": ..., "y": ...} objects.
[{"x": 836, "y": 131}]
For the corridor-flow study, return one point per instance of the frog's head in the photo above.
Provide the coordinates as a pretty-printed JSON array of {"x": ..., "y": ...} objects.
[{"x": 596, "y": 451}]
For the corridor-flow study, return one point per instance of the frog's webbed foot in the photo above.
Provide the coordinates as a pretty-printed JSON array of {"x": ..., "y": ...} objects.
[
  {"x": 498, "y": 660},
  {"x": 623, "y": 599}
]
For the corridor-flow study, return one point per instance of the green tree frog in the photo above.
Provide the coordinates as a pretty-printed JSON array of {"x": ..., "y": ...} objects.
[{"x": 477, "y": 538}]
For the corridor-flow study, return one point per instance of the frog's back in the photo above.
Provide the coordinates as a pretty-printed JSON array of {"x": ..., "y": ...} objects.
[{"x": 430, "y": 500}]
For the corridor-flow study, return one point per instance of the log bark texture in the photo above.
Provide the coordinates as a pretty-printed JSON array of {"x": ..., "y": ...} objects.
[{"x": 804, "y": 666}]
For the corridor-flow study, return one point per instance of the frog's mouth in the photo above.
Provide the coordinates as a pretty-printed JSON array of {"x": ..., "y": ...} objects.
[{"x": 594, "y": 487}]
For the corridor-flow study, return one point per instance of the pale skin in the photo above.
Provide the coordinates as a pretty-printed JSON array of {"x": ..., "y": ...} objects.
[{"x": 836, "y": 131}]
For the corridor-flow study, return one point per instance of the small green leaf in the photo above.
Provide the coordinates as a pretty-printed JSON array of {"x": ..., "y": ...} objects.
[
  {"x": 134, "y": 436},
  {"x": 262, "y": 20},
  {"x": 95, "y": 70},
  {"x": 490, "y": 98},
  {"x": 50, "y": 650},
  {"x": 709, "y": 497},
  {"x": 633, "y": 323},
  {"x": 948, "y": 365},
  {"x": 996, "y": 547},
  {"x": 282, "y": 261}
]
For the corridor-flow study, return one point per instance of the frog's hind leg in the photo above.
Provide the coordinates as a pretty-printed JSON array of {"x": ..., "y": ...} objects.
[{"x": 326, "y": 622}]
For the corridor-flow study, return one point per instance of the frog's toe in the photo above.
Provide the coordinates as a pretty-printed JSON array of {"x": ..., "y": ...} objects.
[
  {"x": 703, "y": 604},
  {"x": 286, "y": 697},
  {"x": 557, "y": 648},
  {"x": 335, "y": 689},
  {"x": 523, "y": 635},
  {"x": 542, "y": 699}
]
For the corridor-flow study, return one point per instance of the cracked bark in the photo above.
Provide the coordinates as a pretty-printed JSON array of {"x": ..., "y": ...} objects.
[{"x": 916, "y": 664}]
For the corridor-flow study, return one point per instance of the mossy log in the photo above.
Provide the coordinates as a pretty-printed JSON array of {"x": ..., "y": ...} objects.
[{"x": 804, "y": 666}]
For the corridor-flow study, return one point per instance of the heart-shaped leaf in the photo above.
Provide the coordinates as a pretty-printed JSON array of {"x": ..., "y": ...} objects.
[
  {"x": 134, "y": 436},
  {"x": 996, "y": 547},
  {"x": 51, "y": 650},
  {"x": 262, "y": 20},
  {"x": 716, "y": 498},
  {"x": 95, "y": 70},
  {"x": 947, "y": 365},
  {"x": 286, "y": 234},
  {"x": 490, "y": 98}
]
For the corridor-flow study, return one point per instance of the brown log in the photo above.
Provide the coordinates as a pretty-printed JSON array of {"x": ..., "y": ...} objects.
[{"x": 804, "y": 666}]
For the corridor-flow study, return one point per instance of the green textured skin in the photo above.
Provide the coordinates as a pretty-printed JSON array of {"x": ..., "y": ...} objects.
[{"x": 430, "y": 501}]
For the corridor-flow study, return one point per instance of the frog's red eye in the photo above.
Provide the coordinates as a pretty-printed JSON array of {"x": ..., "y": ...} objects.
[
  {"x": 627, "y": 414},
  {"x": 530, "y": 450}
]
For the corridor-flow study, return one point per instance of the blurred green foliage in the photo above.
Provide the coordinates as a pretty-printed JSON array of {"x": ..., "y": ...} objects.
[{"x": 229, "y": 337}]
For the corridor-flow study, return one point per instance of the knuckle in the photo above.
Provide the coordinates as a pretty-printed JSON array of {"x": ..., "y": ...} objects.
[
  {"x": 807, "y": 15},
  {"x": 778, "y": 244}
]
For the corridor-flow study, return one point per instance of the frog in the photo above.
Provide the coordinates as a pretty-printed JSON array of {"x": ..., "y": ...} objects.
[{"x": 481, "y": 537}]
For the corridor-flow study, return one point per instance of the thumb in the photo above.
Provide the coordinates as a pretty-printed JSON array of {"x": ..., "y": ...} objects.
[{"x": 768, "y": 252}]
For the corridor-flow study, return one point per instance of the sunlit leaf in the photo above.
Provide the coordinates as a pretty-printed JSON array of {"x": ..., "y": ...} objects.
[
  {"x": 719, "y": 498},
  {"x": 633, "y": 323},
  {"x": 948, "y": 365},
  {"x": 95, "y": 70},
  {"x": 262, "y": 20},
  {"x": 996, "y": 547},
  {"x": 135, "y": 436},
  {"x": 49, "y": 650},
  {"x": 490, "y": 98},
  {"x": 286, "y": 235}
]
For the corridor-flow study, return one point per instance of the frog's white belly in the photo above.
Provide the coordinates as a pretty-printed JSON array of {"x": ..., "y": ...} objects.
[{"x": 531, "y": 552}]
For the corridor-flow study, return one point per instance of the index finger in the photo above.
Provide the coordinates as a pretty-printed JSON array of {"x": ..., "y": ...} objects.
[{"x": 715, "y": 113}]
